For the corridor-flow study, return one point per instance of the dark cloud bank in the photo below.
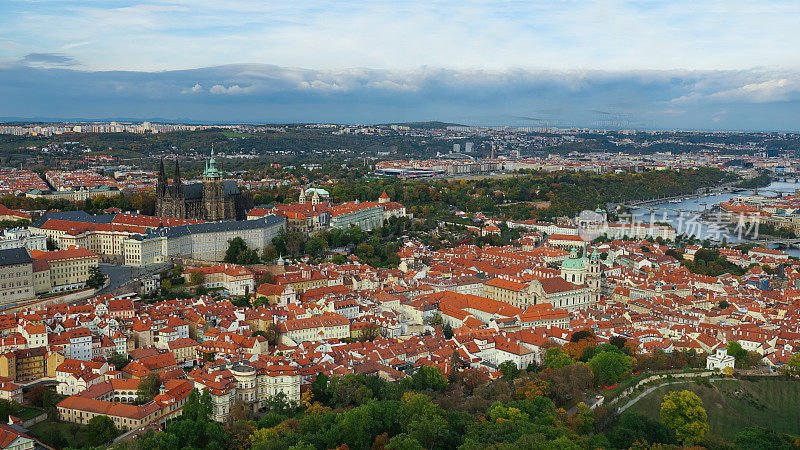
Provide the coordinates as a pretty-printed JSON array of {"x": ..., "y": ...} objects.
[{"x": 46, "y": 85}]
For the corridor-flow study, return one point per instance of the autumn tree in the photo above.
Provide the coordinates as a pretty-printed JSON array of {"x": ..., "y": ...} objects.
[
  {"x": 793, "y": 365},
  {"x": 369, "y": 332},
  {"x": 471, "y": 378},
  {"x": 575, "y": 349},
  {"x": 197, "y": 277},
  {"x": 683, "y": 412},
  {"x": 532, "y": 389}
]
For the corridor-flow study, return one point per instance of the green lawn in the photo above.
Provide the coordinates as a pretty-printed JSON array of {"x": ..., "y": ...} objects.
[
  {"x": 48, "y": 430},
  {"x": 733, "y": 404},
  {"x": 26, "y": 412}
]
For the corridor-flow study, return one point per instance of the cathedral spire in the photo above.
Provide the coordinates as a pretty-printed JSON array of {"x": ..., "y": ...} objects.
[
  {"x": 161, "y": 186},
  {"x": 177, "y": 180},
  {"x": 211, "y": 167}
]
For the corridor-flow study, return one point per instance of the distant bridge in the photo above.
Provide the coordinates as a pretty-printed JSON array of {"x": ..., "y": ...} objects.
[
  {"x": 658, "y": 201},
  {"x": 779, "y": 242},
  {"x": 678, "y": 210}
]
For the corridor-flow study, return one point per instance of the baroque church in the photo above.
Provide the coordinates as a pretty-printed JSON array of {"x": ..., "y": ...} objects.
[{"x": 214, "y": 199}]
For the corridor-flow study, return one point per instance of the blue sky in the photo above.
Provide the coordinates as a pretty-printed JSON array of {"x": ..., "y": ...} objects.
[{"x": 673, "y": 64}]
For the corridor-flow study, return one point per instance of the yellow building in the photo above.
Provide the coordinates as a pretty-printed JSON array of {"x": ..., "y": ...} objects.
[
  {"x": 69, "y": 268},
  {"x": 302, "y": 280},
  {"x": 512, "y": 292},
  {"x": 30, "y": 364},
  {"x": 184, "y": 350},
  {"x": 41, "y": 277}
]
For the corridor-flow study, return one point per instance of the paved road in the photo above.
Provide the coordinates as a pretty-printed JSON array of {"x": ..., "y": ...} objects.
[
  {"x": 651, "y": 389},
  {"x": 119, "y": 275},
  {"x": 591, "y": 401}
]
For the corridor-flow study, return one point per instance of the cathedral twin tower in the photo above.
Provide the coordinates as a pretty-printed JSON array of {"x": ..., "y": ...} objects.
[{"x": 214, "y": 199}]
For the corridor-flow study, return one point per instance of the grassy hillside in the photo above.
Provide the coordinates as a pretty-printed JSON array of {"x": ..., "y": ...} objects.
[{"x": 733, "y": 404}]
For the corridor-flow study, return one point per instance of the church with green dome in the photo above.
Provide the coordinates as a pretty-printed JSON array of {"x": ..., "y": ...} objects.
[{"x": 584, "y": 271}]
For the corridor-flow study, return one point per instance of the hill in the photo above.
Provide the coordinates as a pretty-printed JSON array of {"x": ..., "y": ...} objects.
[{"x": 735, "y": 404}]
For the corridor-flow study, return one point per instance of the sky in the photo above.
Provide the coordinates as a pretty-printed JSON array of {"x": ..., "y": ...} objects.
[{"x": 634, "y": 64}]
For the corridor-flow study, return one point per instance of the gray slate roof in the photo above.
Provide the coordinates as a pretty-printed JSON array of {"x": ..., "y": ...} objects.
[
  {"x": 215, "y": 227},
  {"x": 76, "y": 216},
  {"x": 12, "y": 256}
]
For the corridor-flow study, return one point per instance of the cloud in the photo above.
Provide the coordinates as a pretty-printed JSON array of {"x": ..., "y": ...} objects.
[
  {"x": 563, "y": 35},
  {"x": 763, "y": 92},
  {"x": 74, "y": 44},
  {"x": 192, "y": 90},
  {"x": 755, "y": 87},
  {"x": 235, "y": 89},
  {"x": 268, "y": 93},
  {"x": 48, "y": 59}
]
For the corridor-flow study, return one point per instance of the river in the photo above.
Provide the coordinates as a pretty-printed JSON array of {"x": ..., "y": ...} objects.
[{"x": 685, "y": 222}]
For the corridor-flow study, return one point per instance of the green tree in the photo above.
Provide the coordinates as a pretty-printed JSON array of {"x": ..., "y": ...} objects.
[
  {"x": 236, "y": 246},
  {"x": 239, "y": 253},
  {"x": 7, "y": 407},
  {"x": 509, "y": 370},
  {"x": 96, "y": 278},
  {"x": 618, "y": 341},
  {"x": 149, "y": 387},
  {"x": 581, "y": 335},
  {"x": 683, "y": 412},
  {"x": 118, "y": 360},
  {"x": 365, "y": 251},
  {"x": 635, "y": 426},
  {"x": 425, "y": 421},
  {"x": 758, "y": 438},
  {"x": 404, "y": 442},
  {"x": 555, "y": 357},
  {"x": 743, "y": 359},
  {"x": 101, "y": 430},
  {"x": 434, "y": 319},
  {"x": 315, "y": 246},
  {"x": 319, "y": 389},
  {"x": 447, "y": 330},
  {"x": 610, "y": 367},
  {"x": 429, "y": 377}
]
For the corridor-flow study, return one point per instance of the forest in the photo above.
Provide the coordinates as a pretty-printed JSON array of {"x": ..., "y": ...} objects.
[
  {"x": 568, "y": 192},
  {"x": 543, "y": 406}
]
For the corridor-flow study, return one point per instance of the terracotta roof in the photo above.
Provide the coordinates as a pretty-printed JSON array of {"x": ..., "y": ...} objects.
[{"x": 59, "y": 255}]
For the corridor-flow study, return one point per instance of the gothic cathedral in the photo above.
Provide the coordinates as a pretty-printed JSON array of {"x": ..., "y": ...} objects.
[{"x": 214, "y": 199}]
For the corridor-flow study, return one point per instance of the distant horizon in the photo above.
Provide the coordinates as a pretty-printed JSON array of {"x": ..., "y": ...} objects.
[{"x": 14, "y": 121}]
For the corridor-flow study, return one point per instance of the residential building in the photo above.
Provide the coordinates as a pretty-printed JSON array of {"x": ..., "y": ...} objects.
[
  {"x": 237, "y": 280},
  {"x": 69, "y": 268},
  {"x": 16, "y": 276}
]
